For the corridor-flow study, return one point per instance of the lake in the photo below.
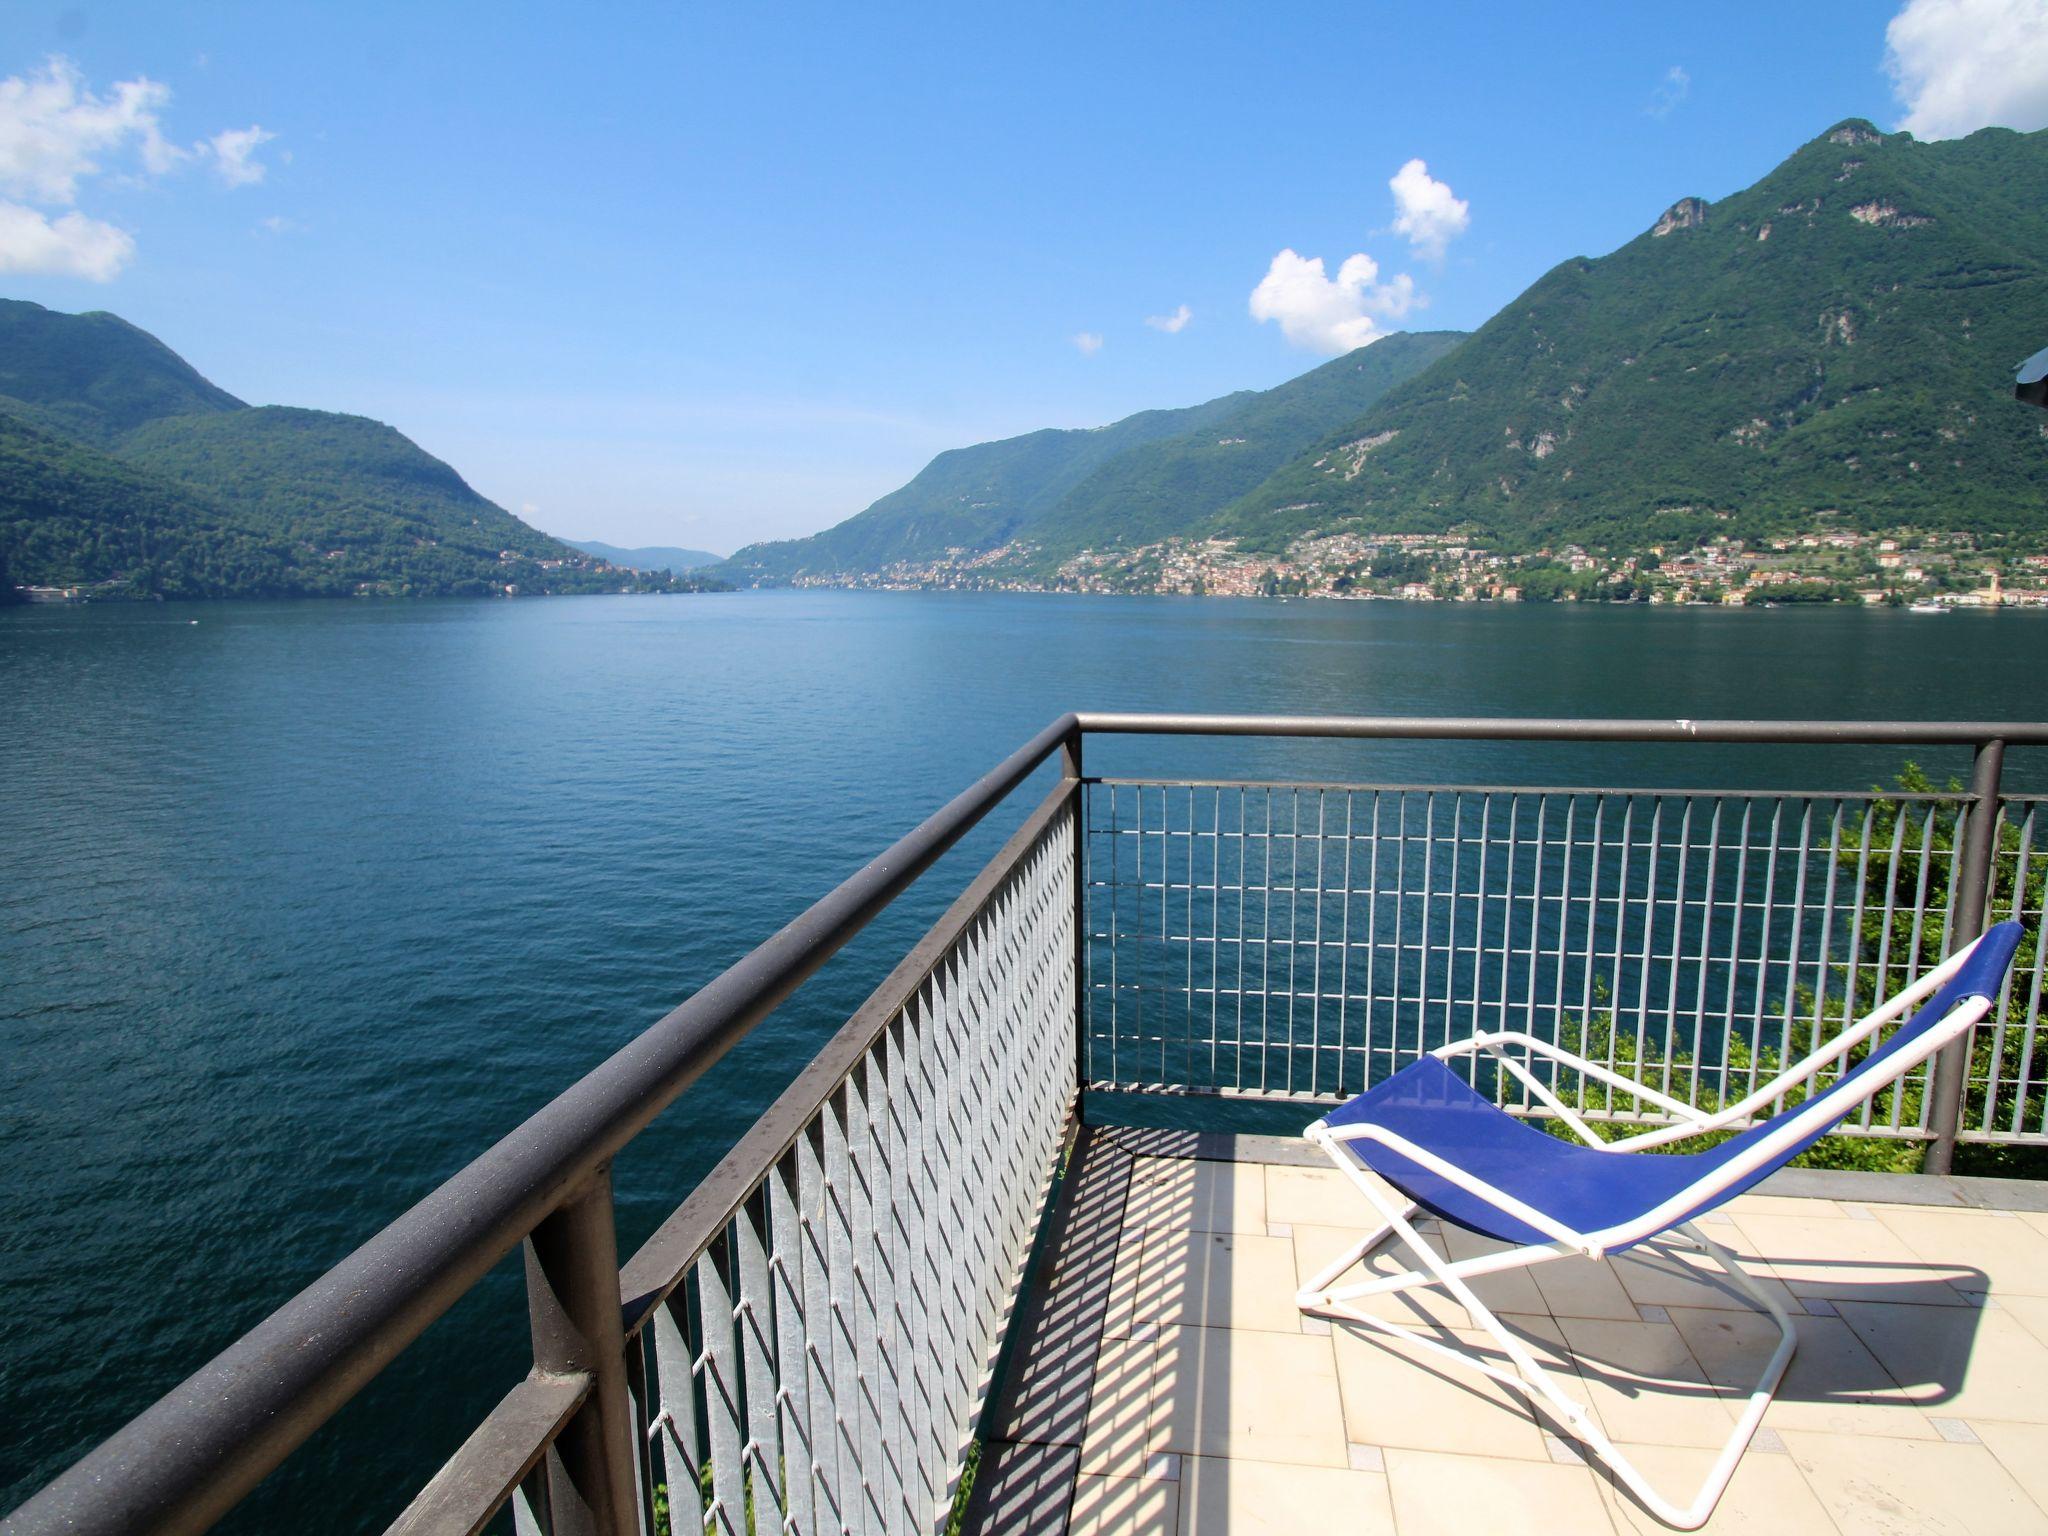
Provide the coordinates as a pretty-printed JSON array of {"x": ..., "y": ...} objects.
[{"x": 302, "y": 905}]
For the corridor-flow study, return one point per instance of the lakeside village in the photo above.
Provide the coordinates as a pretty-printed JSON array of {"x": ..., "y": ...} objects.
[{"x": 1900, "y": 568}]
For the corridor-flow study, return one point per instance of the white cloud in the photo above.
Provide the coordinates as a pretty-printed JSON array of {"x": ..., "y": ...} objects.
[
  {"x": 1329, "y": 315},
  {"x": 1671, "y": 90},
  {"x": 53, "y": 131},
  {"x": 1088, "y": 343},
  {"x": 278, "y": 224},
  {"x": 1172, "y": 324},
  {"x": 70, "y": 245},
  {"x": 57, "y": 134},
  {"x": 1961, "y": 65},
  {"x": 1429, "y": 216},
  {"x": 232, "y": 152}
]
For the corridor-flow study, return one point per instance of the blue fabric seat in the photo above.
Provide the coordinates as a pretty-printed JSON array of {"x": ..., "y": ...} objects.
[{"x": 1583, "y": 1187}]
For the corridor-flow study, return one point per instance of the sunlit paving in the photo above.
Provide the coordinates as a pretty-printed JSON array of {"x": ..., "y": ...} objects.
[{"x": 1168, "y": 1384}]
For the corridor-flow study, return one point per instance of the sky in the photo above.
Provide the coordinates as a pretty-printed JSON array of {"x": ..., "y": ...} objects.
[{"x": 707, "y": 274}]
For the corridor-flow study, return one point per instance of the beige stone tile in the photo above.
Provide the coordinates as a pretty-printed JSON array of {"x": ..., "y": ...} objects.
[
  {"x": 1315, "y": 1247},
  {"x": 1117, "y": 1435},
  {"x": 2023, "y": 1450},
  {"x": 1660, "y": 1278},
  {"x": 1261, "y": 1498},
  {"x": 1833, "y": 1384},
  {"x": 1123, "y": 1282},
  {"x": 1216, "y": 1280},
  {"x": 2030, "y": 1312},
  {"x": 1512, "y": 1290},
  {"x": 1847, "y": 1260},
  {"x": 1124, "y": 1506},
  {"x": 1875, "y": 1487},
  {"x": 2011, "y": 1255},
  {"x": 1186, "y": 1194},
  {"x": 1956, "y": 1362},
  {"x": 1443, "y": 1495},
  {"x": 1397, "y": 1393},
  {"x": 1644, "y": 1384},
  {"x": 1785, "y": 1205},
  {"x": 1247, "y": 1393},
  {"x": 1320, "y": 1197},
  {"x": 1583, "y": 1288},
  {"x": 1766, "y": 1496}
]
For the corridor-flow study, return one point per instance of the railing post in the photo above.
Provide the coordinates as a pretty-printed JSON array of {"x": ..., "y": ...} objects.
[
  {"x": 572, "y": 1296},
  {"x": 1070, "y": 767},
  {"x": 1973, "y": 879}
]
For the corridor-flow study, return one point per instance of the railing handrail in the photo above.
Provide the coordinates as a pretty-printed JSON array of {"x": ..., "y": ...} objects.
[
  {"x": 1508, "y": 728},
  {"x": 188, "y": 1459}
]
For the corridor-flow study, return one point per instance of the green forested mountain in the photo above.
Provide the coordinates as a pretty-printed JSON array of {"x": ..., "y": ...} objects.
[
  {"x": 1839, "y": 337},
  {"x": 121, "y": 468},
  {"x": 1096, "y": 487}
]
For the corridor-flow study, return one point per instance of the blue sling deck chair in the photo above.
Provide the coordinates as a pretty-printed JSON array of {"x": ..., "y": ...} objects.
[{"x": 1450, "y": 1150}]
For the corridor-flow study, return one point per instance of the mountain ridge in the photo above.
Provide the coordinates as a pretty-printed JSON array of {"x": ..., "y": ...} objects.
[{"x": 125, "y": 472}]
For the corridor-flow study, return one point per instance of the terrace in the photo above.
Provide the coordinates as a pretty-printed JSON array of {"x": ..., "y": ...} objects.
[{"x": 952, "y": 1276}]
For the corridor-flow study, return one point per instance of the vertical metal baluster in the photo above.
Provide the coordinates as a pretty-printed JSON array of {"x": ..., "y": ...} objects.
[
  {"x": 1676, "y": 965},
  {"x": 1266, "y": 949},
  {"x": 1344, "y": 957},
  {"x": 1564, "y": 931},
  {"x": 907, "y": 1198},
  {"x": 1215, "y": 928},
  {"x": 785, "y": 1274},
  {"x": 1507, "y": 913},
  {"x": 1593, "y": 941},
  {"x": 1188, "y": 1063},
  {"x": 1426, "y": 925},
  {"x": 1372, "y": 944},
  {"x": 821, "y": 1339},
  {"x": 1138, "y": 926},
  {"x": 877, "y": 1168},
  {"x": 1539, "y": 856},
  {"x": 718, "y": 1363},
  {"x": 2023, "y": 1081},
  {"x": 755, "y": 1322},
  {"x": 1315, "y": 970},
  {"x": 675, "y": 1371},
  {"x": 1621, "y": 904},
  {"x": 1399, "y": 999},
  {"x": 1293, "y": 923},
  {"x": 1916, "y": 953},
  {"x": 1656, "y": 849},
  {"x": 1853, "y": 966},
  {"x": 1787, "y": 1046},
  {"x": 1764, "y": 952},
  {"x": 1244, "y": 880},
  {"x": 850, "y": 1493},
  {"x": 1824, "y": 955}
]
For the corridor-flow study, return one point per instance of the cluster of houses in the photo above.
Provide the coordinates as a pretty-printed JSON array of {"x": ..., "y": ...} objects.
[{"x": 1898, "y": 566}]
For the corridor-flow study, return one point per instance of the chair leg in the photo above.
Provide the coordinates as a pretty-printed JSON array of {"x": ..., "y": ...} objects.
[{"x": 1538, "y": 1385}]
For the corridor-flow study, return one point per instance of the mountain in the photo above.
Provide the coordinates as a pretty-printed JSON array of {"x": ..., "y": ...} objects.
[
  {"x": 654, "y": 557},
  {"x": 1838, "y": 338},
  {"x": 123, "y": 469},
  {"x": 1063, "y": 489}
]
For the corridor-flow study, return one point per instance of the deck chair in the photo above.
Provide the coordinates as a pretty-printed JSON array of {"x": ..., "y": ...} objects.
[{"x": 1447, "y": 1149}]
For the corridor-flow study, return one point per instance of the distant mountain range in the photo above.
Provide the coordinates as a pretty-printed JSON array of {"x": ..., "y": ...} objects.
[
  {"x": 123, "y": 472},
  {"x": 1134, "y": 480},
  {"x": 655, "y": 557},
  {"x": 1835, "y": 342}
]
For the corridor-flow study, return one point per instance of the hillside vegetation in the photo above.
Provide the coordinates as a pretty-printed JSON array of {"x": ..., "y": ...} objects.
[
  {"x": 1058, "y": 490},
  {"x": 124, "y": 472},
  {"x": 1839, "y": 337}
]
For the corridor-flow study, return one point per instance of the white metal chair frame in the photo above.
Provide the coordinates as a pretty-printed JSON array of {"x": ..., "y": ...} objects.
[{"x": 1322, "y": 1297}]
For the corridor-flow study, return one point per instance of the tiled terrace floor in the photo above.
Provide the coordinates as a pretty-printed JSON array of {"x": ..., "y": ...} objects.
[{"x": 1167, "y": 1386}]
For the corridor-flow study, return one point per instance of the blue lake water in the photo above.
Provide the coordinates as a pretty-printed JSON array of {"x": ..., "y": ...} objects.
[{"x": 302, "y": 905}]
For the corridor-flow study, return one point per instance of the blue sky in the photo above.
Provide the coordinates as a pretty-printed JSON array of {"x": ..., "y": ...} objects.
[{"x": 705, "y": 274}]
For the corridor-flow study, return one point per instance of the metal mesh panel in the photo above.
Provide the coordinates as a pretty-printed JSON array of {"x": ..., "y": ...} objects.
[
  {"x": 1304, "y": 941},
  {"x": 821, "y": 1365}
]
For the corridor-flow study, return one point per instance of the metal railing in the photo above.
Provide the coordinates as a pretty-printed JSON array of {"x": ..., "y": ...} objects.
[
  {"x": 1304, "y": 941},
  {"x": 805, "y": 1343}
]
